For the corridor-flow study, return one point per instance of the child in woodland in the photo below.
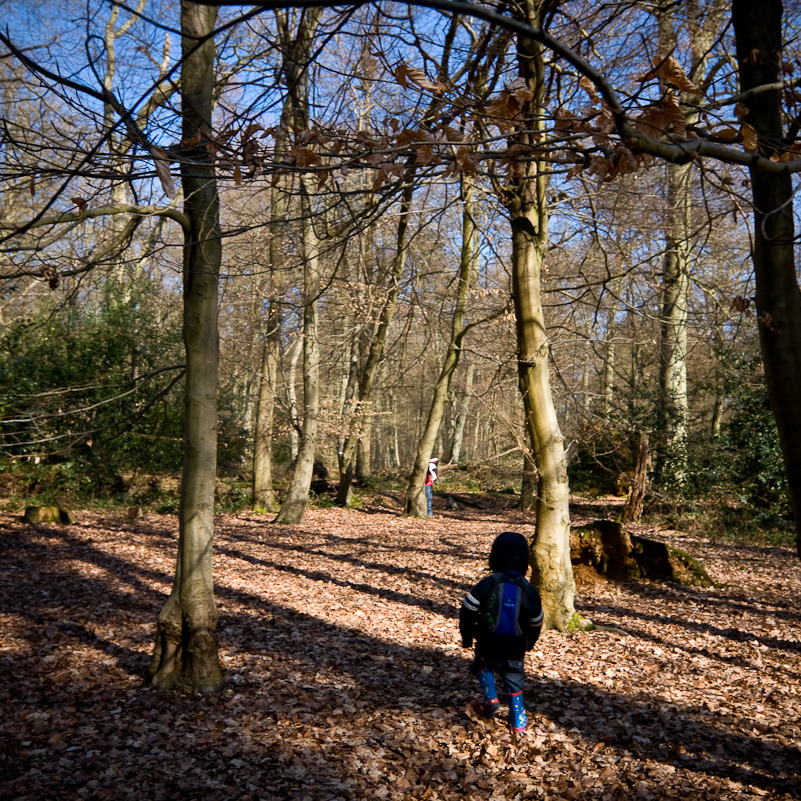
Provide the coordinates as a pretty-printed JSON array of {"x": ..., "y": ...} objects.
[
  {"x": 503, "y": 614},
  {"x": 431, "y": 477}
]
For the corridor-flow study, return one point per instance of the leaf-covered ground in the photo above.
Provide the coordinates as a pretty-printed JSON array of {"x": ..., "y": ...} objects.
[{"x": 346, "y": 678}]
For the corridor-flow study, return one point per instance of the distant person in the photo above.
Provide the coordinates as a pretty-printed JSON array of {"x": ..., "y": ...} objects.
[
  {"x": 431, "y": 477},
  {"x": 503, "y": 614}
]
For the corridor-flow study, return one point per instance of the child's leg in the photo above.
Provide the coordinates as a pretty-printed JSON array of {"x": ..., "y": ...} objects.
[
  {"x": 486, "y": 679},
  {"x": 513, "y": 679}
]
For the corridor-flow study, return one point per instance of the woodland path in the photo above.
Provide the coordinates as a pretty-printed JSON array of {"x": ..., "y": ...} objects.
[{"x": 346, "y": 679}]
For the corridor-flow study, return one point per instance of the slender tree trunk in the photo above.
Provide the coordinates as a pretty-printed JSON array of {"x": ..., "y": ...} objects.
[
  {"x": 673, "y": 410},
  {"x": 608, "y": 390},
  {"x": 527, "y": 203},
  {"x": 292, "y": 398},
  {"x": 185, "y": 653},
  {"x": 717, "y": 416},
  {"x": 758, "y": 31},
  {"x": 394, "y": 445},
  {"x": 363, "y": 451},
  {"x": 263, "y": 494},
  {"x": 293, "y": 508},
  {"x": 461, "y": 418},
  {"x": 415, "y": 492},
  {"x": 673, "y": 407}
]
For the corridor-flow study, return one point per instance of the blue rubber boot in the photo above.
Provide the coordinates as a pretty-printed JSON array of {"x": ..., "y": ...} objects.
[
  {"x": 491, "y": 704},
  {"x": 517, "y": 714}
]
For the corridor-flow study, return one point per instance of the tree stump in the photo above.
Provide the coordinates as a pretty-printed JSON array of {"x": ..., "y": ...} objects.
[
  {"x": 48, "y": 514},
  {"x": 606, "y": 548}
]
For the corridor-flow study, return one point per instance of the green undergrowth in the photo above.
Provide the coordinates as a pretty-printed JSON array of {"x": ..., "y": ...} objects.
[{"x": 730, "y": 522}]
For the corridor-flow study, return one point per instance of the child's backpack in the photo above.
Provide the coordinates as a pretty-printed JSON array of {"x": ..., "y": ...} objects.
[{"x": 506, "y": 604}]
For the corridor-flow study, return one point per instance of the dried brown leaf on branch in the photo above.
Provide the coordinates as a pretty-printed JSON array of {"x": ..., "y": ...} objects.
[
  {"x": 675, "y": 115},
  {"x": 503, "y": 109},
  {"x": 589, "y": 87},
  {"x": 405, "y": 73},
  {"x": 670, "y": 71},
  {"x": 750, "y": 138},
  {"x": 161, "y": 161}
]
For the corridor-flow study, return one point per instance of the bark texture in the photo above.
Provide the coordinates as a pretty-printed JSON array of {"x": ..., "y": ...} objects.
[
  {"x": 295, "y": 38},
  {"x": 673, "y": 407},
  {"x": 632, "y": 511},
  {"x": 185, "y": 654}
]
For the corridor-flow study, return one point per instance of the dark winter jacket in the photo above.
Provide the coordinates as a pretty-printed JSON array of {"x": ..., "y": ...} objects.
[{"x": 508, "y": 557}]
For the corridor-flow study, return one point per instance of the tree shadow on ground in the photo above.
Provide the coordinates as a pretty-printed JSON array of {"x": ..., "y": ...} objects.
[{"x": 302, "y": 673}]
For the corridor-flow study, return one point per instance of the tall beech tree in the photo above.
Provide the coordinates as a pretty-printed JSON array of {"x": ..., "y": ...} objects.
[
  {"x": 760, "y": 42},
  {"x": 375, "y": 350},
  {"x": 185, "y": 653},
  {"x": 526, "y": 200},
  {"x": 703, "y": 27},
  {"x": 296, "y": 40}
]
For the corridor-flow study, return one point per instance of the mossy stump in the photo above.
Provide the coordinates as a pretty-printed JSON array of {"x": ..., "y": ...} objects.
[
  {"x": 36, "y": 515},
  {"x": 607, "y": 548}
]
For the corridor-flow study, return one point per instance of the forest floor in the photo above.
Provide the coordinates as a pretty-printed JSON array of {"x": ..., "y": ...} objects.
[{"x": 346, "y": 679}]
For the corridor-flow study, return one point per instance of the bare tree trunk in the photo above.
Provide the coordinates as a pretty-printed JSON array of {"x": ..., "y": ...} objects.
[
  {"x": 461, "y": 418},
  {"x": 292, "y": 398},
  {"x": 673, "y": 406},
  {"x": 717, "y": 415},
  {"x": 185, "y": 652},
  {"x": 363, "y": 461},
  {"x": 394, "y": 446},
  {"x": 293, "y": 508},
  {"x": 674, "y": 411},
  {"x": 263, "y": 494},
  {"x": 609, "y": 364},
  {"x": 758, "y": 31},
  {"x": 527, "y": 203}
]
